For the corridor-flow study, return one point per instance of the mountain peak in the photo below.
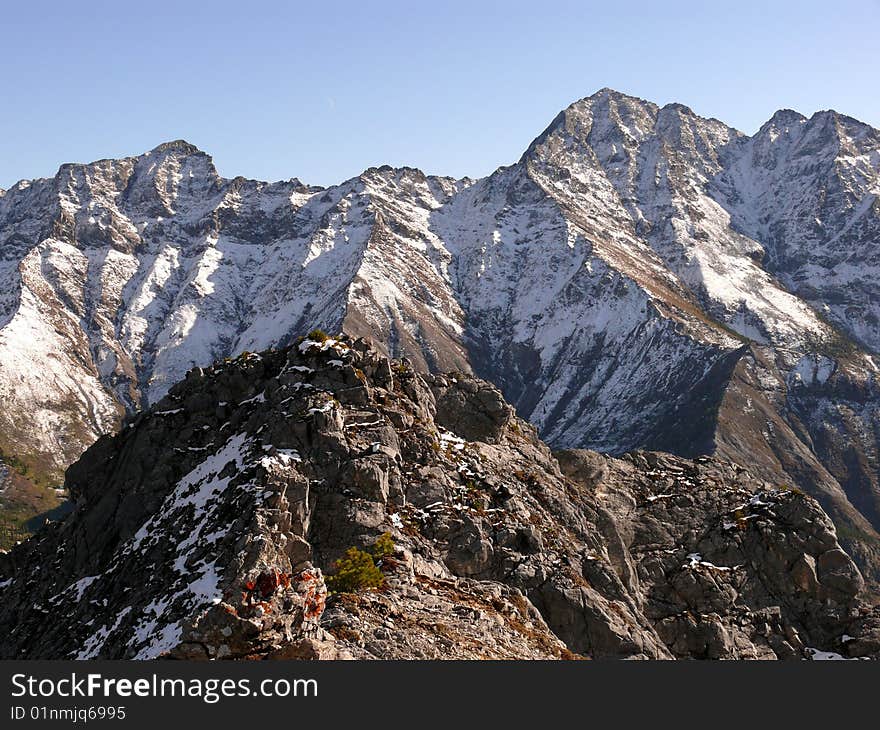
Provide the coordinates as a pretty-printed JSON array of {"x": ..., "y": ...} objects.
[
  {"x": 609, "y": 99},
  {"x": 606, "y": 107},
  {"x": 676, "y": 108},
  {"x": 607, "y": 92},
  {"x": 180, "y": 146},
  {"x": 784, "y": 118}
]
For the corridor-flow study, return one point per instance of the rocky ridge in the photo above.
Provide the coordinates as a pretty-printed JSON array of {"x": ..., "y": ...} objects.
[{"x": 205, "y": 527}]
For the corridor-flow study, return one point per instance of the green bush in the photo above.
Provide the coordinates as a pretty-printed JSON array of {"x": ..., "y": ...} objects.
[
  {"x": 358, "y": 570},
  {"x": 383, "y": 547},
  {"x": 318, "y": 335},
  {"x": 355, "y": 571}
]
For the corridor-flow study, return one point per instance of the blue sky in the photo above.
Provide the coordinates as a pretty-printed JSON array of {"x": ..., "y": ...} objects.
[{"x": 321, "y": 91}]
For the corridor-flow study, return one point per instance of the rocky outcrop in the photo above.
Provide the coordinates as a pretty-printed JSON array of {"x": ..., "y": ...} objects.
[
  {"x": 206, "y": 527},
  {"x": 756, "y": 556}
]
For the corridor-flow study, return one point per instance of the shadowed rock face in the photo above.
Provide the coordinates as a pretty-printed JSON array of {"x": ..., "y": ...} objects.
[{"x": 206, "y": 526}]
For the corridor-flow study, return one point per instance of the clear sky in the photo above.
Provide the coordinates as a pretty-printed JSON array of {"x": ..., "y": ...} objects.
[{"x": 323, "y": 90}]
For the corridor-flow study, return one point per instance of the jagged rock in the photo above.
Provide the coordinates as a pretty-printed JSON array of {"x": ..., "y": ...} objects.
[
  {"x": 470, "y": 408},
  {"x": 836, "y": 570},
  {"x": 470, "y": 551},
  {"x": 205, "y": 527}
]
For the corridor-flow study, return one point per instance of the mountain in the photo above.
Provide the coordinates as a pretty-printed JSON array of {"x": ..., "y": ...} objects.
[
  {"x": 640, "y": 278},
  {"x": 206, "y": 526}
]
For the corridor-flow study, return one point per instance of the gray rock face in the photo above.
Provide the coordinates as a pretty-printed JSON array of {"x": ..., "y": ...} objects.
[
  {"x": 725, "y": 522},
  {"x": 206, "y": 526},
  {"x": 470, "y": 407}
]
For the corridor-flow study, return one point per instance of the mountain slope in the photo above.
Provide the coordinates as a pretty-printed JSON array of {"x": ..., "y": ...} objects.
[
  {"x": 640, "y": 278},
  {"x": 204, "y": 529}
]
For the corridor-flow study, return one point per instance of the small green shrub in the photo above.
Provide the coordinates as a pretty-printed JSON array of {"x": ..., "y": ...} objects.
[
  {"x": 318, "y": 335},
  {"x": 383, "y": 547},
  {"x": 358, "y": 570},
  {"x": 355, "y": 571}
]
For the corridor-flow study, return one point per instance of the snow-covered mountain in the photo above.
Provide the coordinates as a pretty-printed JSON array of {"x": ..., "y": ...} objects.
[{"x": 642, "y": 277}]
